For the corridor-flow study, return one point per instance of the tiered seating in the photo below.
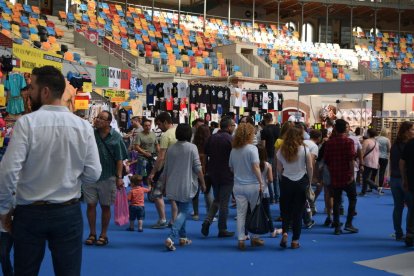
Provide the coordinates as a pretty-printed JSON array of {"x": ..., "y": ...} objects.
[
  {"x": 189, "y": 50},
  {"x": 27, "y": 26},
  {"x": 386, "y": 50}
]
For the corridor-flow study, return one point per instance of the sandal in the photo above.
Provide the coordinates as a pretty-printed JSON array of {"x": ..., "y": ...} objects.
[
  {"x": 102, "y": 241},
  {"x": 90, "y": 240},
  {"x": 185, "y": 241},
  {"x": 169, "y": 244}
]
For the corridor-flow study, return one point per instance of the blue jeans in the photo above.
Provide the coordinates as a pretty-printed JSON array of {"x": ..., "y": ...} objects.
[
  {"x": 60, "y": 225},
  {"x": 400, "y": 197},
  {"x": 6, "y": 244},
  {"x": 178, "y": 228},
  {"x": 274, "y": 189}
]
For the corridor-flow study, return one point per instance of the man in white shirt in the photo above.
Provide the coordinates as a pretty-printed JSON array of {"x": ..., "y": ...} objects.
[{"x": 52, "y": 152}]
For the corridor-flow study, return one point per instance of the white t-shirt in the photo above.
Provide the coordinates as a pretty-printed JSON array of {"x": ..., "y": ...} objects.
[
  {"x": 168, "y": 90},
  {"x": 312, "y": 147},
  {"x": 182, "y": 90},
  {"x": 238, "y": 97},
  {"x": 294, "y": 170},
  {"x": 265, "y": 100}
]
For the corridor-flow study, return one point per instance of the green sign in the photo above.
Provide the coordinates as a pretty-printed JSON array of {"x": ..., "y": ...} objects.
[{"x": 102, "y": 76}]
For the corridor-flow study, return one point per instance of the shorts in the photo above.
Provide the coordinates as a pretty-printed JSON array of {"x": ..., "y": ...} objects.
[
  {"x": 136, "y": 212},
  {"x": 103, "y": 191}
]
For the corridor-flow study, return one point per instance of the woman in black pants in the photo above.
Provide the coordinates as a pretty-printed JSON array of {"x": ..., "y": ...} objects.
[{"x": 294, "y": 164}]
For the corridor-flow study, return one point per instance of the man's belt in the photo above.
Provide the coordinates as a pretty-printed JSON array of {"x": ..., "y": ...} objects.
[{"x": 48, "y": 203}]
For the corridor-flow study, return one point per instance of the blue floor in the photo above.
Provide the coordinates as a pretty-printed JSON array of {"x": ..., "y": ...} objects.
[{"x": 321, "y": 252}]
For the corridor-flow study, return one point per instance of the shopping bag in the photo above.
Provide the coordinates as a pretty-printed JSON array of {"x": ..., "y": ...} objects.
[
  {"x": 121, "y": 209},
  {"x": 257, "y": 221}
]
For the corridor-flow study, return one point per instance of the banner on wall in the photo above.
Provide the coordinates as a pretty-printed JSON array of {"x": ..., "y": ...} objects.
[
  {"x": 112, "y": 77},
  {"x": 29, "y": 58},
  {"x": 407, "y": 83}
]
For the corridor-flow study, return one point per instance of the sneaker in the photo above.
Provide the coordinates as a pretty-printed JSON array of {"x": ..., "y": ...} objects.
[
  {"x": 160, "y": 225},
  {"x": 380, "y": 192},
  {"x": 338, "y": 231},
  {"x": 327, "y": 222},
  {"x": 129, "y": 229},
  {"x": 351, "y": 228},
  {"x": 140, "y": 230},
  {"x": 310, "y": 224},
  {"x": 225, "y": 234},
  {"x": 205, "y": 228},
  {"x": 185, "y": 241},
  {"x": 195, "y": 217},
  {"x": 215, "y": 219}
]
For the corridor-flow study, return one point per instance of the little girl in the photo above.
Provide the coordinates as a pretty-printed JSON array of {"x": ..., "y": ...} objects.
[
  {"x": 267, "y": 177},
  {"x": 136, "y": 202}
]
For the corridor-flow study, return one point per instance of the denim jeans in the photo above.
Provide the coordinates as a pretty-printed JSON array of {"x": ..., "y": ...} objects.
[
  {"x": 245, "y": 195},
  {"x": 383, "y": 162},
  {"x": 399, "y": 197},
  {"x": 367, "y": 179},
  {"x": 60, "y": 225},
  {"x": 178, "y": 228},
  {"x": 274, "y": 189},
  {"x": 352, "y": 201},
  {"x": 222, "y": 193},
  {"x": 6, "y": 244}
]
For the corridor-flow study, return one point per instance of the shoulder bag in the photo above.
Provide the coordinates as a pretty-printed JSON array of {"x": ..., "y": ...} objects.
[{"x": 257, "y": 221}]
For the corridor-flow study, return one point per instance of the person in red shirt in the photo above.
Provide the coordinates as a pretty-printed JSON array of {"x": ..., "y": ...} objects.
[
  {"x": 136, "y": 202},
  {"x": 339, "y": 156}
]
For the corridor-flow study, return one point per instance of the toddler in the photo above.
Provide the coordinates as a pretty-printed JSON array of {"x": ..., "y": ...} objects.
[{"x": 136, "y": 202}]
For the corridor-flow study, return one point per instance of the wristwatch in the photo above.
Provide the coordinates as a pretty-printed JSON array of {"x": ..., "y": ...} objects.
[{"x": 119, "y": 177}]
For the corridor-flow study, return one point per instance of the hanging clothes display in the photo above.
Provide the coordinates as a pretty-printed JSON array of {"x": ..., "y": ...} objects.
[{"x": 15, "y": 82}]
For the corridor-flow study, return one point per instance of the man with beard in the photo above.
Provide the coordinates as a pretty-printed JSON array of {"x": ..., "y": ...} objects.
[
  {"x": 112, "y": 152},
  {"x": 51, "y": 154}
]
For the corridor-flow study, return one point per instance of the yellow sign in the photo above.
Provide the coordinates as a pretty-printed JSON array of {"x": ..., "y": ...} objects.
[
  {"x": 116, "y": 96},
  {"x": 2, "y": 101},
  {"x": 31, "y": 58},
  {"x": 1, "y": 90},
  {"x": 81, "y": 104},
  {"x": 87, "y": 87}
]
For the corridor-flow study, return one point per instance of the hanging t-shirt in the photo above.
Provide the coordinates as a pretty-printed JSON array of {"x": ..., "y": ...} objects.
[
  {"x": 123, "y": 119},
  {"x": 260, "y": 95},
  {"x": 199, "y": 90},
  {"x": 265, "y": 102},
  {"x": 174, "y": 90},
  {"x": 238, "y": 95},
  {"x": 206, "y": 98},
  {"x": 150, "y": 93},
  {"x": 270, "y": 102},
  {"x": 248, "y": 102},
  {"x": 226, "y": 100},
  {"x": 256, "y": 100},
  {"x": 214, "y": 95},
  {"x": 14, "y": 84},
  {"x": 168, "y": 90},
  {"x": 175, "y": 117},
  {"x": 220, "y": 95},
  {"x": 182, "y": 90},
  {"x": 183, "y": 103},
  {"x": 280, "y": 102},
  {"x": 169, "y": 104},
  {"x": 160, "y": 90},
  {"x": 176, "y": 103},
  {"x": 193, "y": 94}
]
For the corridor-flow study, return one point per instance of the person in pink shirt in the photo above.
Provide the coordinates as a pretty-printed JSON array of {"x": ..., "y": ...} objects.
[
  {"x": 370, "y": 153},
  {"x": 136, "y": 202}
]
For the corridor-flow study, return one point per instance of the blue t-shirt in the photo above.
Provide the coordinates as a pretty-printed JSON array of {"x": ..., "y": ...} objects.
[
  {"x": 242, "y": 160},
  {"x": 150, "y": 93}
]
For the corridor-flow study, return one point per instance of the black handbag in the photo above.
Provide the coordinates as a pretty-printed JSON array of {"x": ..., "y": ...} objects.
[{"x": 257, "y": 221}]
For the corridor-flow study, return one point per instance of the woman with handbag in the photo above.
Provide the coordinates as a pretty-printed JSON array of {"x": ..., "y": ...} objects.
[
  {"x": 370, "y": 153},
  {"x": 245, "y": 163},
  {"x": 294, "y": 165}
]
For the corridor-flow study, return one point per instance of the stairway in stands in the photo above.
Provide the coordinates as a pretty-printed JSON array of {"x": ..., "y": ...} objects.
[{"x": 68, "y": 40}]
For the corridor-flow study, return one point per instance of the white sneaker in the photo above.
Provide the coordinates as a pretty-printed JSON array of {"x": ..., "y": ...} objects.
[{"x": 214, "y": 219}]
